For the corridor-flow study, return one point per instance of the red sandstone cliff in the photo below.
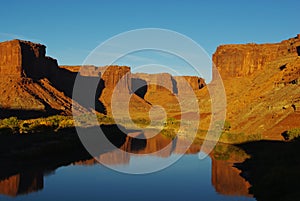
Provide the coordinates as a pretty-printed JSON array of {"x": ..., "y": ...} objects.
[
  {"x": 262, "y": 86},
  {"x": 24, "y": 74},
  {"x": 185, "y": 83},
  {"x": 246, "y": 59}
]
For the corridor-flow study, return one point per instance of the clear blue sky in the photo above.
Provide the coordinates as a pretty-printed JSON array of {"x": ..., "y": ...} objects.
[{"x": 70, "y": 29}]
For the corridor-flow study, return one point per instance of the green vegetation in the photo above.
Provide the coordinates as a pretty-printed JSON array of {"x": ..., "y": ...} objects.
[
  {"x": 9, "y": 125},
  {"x": 171, "y": 126},
  {"x": 227, "y": 137},
  {"x": 291, "y": 134},
  {"x": 54, "y": 123},
  {"x": 141, "y": 122},
  {"x": 227, "y": 126},
  {"x": 223, "y": 125},
  {"x": 170, "y": 133},
  {"x": 226, "y": 152}
]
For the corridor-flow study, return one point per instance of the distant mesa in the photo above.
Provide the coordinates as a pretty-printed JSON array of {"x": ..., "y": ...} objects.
[{"x": 34, "y": 85}]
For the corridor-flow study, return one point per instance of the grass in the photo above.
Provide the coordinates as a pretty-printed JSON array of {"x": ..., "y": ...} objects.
[{"x": 225, "y": 152}]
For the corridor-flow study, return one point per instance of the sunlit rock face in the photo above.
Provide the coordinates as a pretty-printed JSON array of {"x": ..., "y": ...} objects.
[
  {"x": 186, "y": 84},
  {"x": 20, "y": 58},
  {"x": 245, "y": 59}
]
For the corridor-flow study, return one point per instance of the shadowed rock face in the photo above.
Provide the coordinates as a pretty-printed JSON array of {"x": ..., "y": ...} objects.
[
  {"x": 155, "y": 82},
  {"x": 165, "y": 82},
  {"x": 245, "y": 59},
  {"x": 20, "y": 58},
  {"x": 26, "y": 92},
  {"x": 186, "y": 83}
]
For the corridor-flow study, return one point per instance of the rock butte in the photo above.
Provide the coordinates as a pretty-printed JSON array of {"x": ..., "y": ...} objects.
[
  {"x": 34, "y": 85},
  {"x": 261, "y": 83}
]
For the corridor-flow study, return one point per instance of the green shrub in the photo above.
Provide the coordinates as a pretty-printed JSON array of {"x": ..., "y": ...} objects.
[
  {"x": 10, "y": 123},
  {"x": 141, "y": 121},
  {"x": 225, "y": 152},
  {"x": 227, "y": 126},
  {"x": 291, "y": 134},
  {"x": 228, "y": 137},
  {"x": 170, "y": 133}
]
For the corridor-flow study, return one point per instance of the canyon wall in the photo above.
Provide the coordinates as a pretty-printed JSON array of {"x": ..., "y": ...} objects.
[
  {"x": 185, "y": 83},
  {"x": 25, "y": 72},
  {"x": 165, "y": 82},
  {"x": 10, "y": 59},
  {"x": 262, "y": 86},
  {"x": 20, "y": 58},
  {"x": 245, "y": 59}
]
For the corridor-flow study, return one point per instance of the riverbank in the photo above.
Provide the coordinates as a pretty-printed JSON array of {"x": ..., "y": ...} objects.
[{"x": 272, "y": 169}]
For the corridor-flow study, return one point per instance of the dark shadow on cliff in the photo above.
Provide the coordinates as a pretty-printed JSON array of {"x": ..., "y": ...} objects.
[
  {"x": 27, "y": 114},
  {"x": 139, "y": 87},
  {"x": 89, "y": 88},
  {"x": 298, "y": 50},
  {"x": 175, "y": 88},
  {"x": 273, "y": 169}
]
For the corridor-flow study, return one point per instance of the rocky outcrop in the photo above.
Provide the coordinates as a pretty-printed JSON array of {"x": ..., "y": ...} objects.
[
  {"x": 290, "y": 73},
  {"x": 26, "y": 92},
  {"x": 20, "y": 58},
  {"x": 163, "y": 82},
  {"x": 262, "y": 86},
  {"x": 87, "y": 71},
  {"x": 245, "y": 59},
  {"x": 154, "y": 82},
  {"x": 10, "y": 59},
  {"x": 186, "y": 83},
  {"x": 119, "y": 76}
]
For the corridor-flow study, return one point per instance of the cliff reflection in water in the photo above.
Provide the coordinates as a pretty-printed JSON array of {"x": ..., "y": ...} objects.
[
  {"x": 225, "y": 177},
  {"x": 22, "y": 183},
  {"x": 27, "y": 177}
]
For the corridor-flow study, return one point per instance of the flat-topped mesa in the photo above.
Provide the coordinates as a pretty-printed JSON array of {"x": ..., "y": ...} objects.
[
  {"x": 116, "y": 78},
  {"x": 186, "y": 83},
  {"x": 143, "y": 83},
  {"x": 111, "y": 75},
  {"x": 245, "y": 59},
  {"x": 86, "y": 70},
  {"x": 152, "y": 82},
  {"x": 20, "y": 59}
]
